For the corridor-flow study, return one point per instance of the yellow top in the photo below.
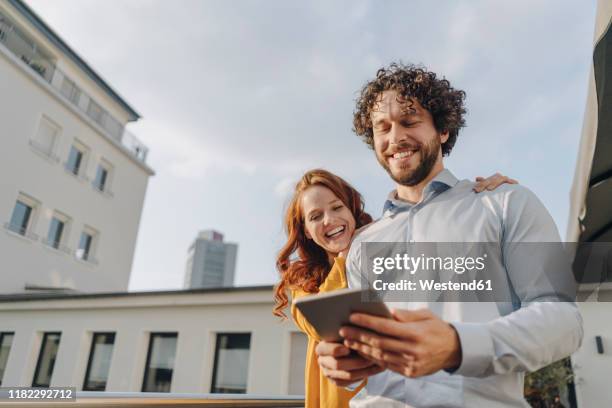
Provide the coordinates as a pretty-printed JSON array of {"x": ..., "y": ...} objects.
[{"x": 320, "y": 392}]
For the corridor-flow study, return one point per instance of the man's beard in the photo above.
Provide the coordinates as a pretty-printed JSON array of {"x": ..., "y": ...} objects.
[{"x": 429, "y": 155}]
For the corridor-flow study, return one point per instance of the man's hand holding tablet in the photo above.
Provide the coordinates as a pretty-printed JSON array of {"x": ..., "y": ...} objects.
[
  {"x": 414, "y": 343},
  {"x": 327, "y": 313}
]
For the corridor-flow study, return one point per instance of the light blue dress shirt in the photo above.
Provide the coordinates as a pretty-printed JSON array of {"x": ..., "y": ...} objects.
[{"x": 499, "y": 341}]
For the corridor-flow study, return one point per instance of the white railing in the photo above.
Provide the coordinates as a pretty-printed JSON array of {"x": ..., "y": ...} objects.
[
  {"x": 135, "y": 146},
  {"x": 147, "y": 400}
]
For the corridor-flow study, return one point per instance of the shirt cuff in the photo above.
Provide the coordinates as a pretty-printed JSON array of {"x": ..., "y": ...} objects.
[{"x": 476, "y": 349}]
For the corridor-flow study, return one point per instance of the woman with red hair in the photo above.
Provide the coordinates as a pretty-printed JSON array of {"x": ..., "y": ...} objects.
[{"x": 322, "y": 217}]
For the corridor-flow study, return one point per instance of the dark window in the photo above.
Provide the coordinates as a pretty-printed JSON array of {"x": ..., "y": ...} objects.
[
  {"x": 99, "y": 361},
  {"x": 6, "y": 340},
  {"x": 160, "y": 362},
  {"x": 46, "y": 360},
  {"x": 101, "y": 176},
  {"x": 20, "y": 218},
  {"x": 231, "y": 363},
  {"x": 84, "y": 246},
  {"x": 55, "y": 232},
  {"x": 74, "y": 160}
]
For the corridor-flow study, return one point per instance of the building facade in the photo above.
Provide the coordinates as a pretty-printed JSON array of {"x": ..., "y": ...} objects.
[
  {"x": 211, "y": 263},
  {"x": 192, "y": 341},
  {"x": 590, "y": 222},
  {"x": 73, "y": 180}
]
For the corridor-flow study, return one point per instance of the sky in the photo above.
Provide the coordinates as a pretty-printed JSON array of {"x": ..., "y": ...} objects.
[{"x": 239, "y": 98}]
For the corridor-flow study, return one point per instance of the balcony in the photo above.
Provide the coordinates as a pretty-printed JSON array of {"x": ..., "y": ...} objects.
[
  {"x": 19, "y": 45},
  {"x": 146, "y": 400}
]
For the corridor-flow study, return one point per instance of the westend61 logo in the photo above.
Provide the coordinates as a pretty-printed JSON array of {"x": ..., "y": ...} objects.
[{"x": 411, "y": 264}]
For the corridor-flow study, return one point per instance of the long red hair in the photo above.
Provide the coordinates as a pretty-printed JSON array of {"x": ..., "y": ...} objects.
[{"x": 301, "y": 263}]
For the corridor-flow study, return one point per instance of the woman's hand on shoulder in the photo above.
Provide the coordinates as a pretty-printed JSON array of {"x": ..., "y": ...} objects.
[{"x": 492, "y": 182}]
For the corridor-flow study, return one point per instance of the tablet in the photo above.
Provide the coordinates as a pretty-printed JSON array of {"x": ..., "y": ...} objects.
[{"x": 329, "y": 311}]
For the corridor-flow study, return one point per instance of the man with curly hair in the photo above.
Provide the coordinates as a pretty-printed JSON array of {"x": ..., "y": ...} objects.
[{"x": 446, "y": 355}]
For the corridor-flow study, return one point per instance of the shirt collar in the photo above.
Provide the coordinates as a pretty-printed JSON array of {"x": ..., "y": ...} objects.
[{"x": 440, "y": 183}]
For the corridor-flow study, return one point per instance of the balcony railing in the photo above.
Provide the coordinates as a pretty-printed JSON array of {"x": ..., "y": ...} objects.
[
  {"x": 147, "y": 400},
  {"x": 25, "y": 49},
  {"x": 22, "y": 47}
]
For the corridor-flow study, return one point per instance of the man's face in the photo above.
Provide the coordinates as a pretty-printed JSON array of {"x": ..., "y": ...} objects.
[{"x": 406, "y": 141}]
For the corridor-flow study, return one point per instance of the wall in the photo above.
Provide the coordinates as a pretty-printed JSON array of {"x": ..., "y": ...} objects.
[{"x": 196, "y": 318}]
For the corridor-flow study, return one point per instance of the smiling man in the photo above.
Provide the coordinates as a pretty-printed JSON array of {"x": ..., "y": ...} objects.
[{"x": 447, "y": 354}]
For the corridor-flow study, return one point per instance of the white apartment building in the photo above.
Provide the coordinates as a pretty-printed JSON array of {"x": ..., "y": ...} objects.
[
  {"x": 192, "y": 341},
  {"x": 211, "y": 263},
  {"x": 72, "y": 179}
]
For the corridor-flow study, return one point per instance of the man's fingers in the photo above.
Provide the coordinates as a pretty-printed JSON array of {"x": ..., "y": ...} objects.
[
  {"x": 355, "y": 336},
  {"x": 381, "y": 356},
  {"x": 325, "y": 348},
  {"x": 344, "y": 364},
  {"x": 381, "y": 325},
  {"x": 351, "y": 376}
]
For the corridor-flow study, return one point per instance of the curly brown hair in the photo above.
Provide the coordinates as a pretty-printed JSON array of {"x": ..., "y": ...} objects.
[
  {"x": 301, "y": 262},
  {"x": 444, "y": 103}
]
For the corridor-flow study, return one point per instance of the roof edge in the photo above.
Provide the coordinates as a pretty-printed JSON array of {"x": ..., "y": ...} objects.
[
  {"x": 27, "y": 297},
  {"x": 33, "y": 18}
]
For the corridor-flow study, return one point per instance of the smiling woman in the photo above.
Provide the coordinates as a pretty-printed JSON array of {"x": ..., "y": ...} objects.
[
  {"x": 320, "y": 221},
  {"x": 328, "y": 222}
]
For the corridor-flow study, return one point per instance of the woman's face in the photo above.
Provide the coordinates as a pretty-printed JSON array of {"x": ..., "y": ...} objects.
[{"x": 328, "y": 222}]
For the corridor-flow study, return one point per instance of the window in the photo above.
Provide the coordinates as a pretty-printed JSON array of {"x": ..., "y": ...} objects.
[
  {"x": 6, "y": 341},
  {"x": 57, "y": 230},
  {"x": 102, "y": 181},
  {"x": 231, "y": 363},
  {"x": 75, "y": 158},
  {"x": 101, "y": 175},
  {"x": 113, "y": 126},
  {"x": 297, "y": 359},
  {"x": 99, "y": 361},
  {"x": 95, "y": 111},
  {"x": 70, "y": 90},
  {"x": 160, "y": 362},
  {"x": 46, "y": 360},
  {"x": 21, "y": 217},
  {"x": 86, "y": 244},
  {"x": 46, "y": 137}
]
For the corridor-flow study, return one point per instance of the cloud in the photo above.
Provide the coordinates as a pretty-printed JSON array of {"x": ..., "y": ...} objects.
[{"x": 249, "y": 96}]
